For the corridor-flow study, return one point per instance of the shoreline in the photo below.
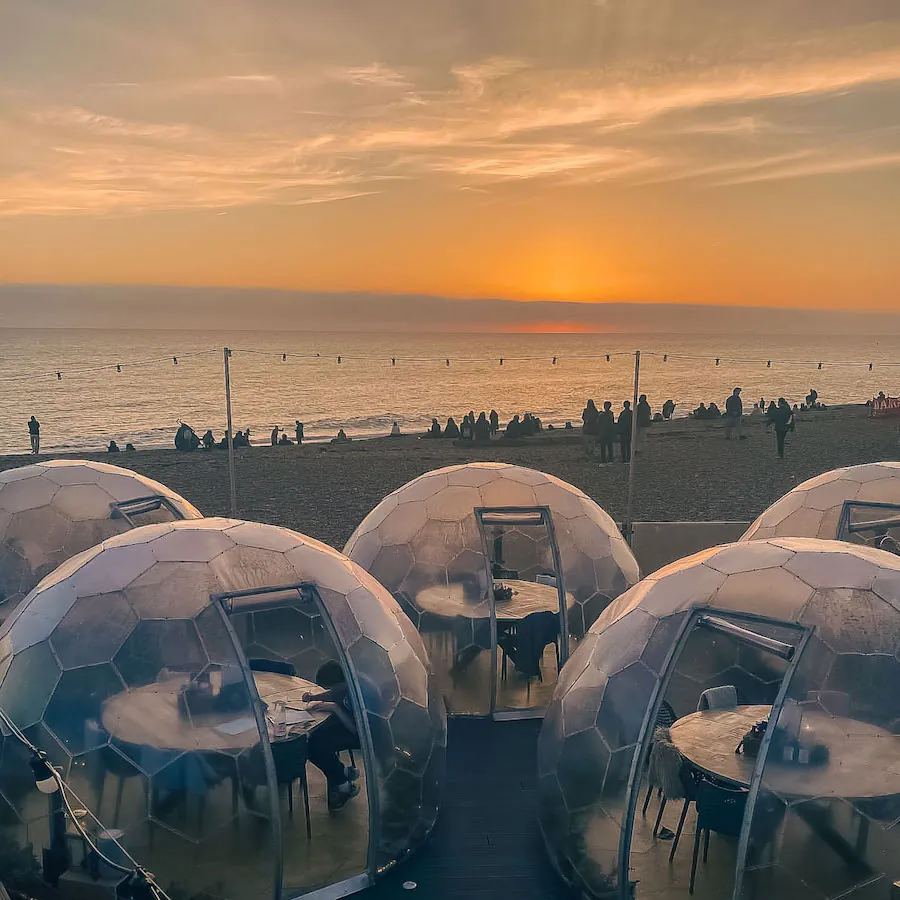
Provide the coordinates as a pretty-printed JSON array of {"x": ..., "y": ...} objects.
[{"x": 687, "y": 471}]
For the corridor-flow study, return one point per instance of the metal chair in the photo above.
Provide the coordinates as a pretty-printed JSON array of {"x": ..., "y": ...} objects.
[
  {"x": 720, "y": 809},
  {"x": 724, "y": 697}
]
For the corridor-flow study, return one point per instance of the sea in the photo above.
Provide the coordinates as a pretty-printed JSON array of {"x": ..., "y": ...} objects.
[{"x": 87, "y": 387}]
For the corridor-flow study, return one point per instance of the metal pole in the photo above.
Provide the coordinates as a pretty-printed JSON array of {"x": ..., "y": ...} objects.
[
  {"x": 629, "y": 523},
  {"x": 228, "y": 435}
]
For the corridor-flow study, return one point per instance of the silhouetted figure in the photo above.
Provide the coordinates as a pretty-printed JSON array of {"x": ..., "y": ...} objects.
[
  {"x": 451, "y": 430},
  {"x": 275, "y": 436},
  {"x": 495, "y": 421},
  {"x": 568, "y": 426},
  {"x": 129, "y": 447},
  {"x": 298, "y": 431},
  {"x": 811, "y": 398},
  {"x": 113, "y": 447},
  {"x": 590, "y": 428},
  {"x": 435, "y": 430},
  {"x": 606, "y": 432},
  {"x": 208, "y": 439},
  {"x": 770, "y": 414},
  {"x": 701, "y": 412},
  {"x": 529, "y": 425},
  {"x": 467, "y": 429},
  {"x": 762, "y": 404},
  {"x": 714, "y": 412},
  {"x": 186, "y": 439},
  {"x": 284, "y": 439},
  {"x": 482, "y": 428},
  {"x": 734, "y": 415},
  {"x": 34, "y": 432},
  {"x": 340, "y": 437},
  {"x": 668, "y": 409},
  {"x": 624, "y": 426},
  {"x": 395, "y": 430},
  {"x": 513, "y": 427},
  {"x": 644, "y": 418},
  {"x": 783, "y": 420}
]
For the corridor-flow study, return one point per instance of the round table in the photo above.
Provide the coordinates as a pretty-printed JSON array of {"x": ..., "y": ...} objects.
[
  {"x": 863, "y": 760},
  {"x": 148, "y": 716},
  {"x": 528, "y": 597}
]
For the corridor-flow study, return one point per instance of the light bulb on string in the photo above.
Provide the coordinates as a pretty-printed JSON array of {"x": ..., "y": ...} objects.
[
  {"x": 393, "y": 361},
  {"x": 820, "y": 365},
  {"x": 59, "y": 376},
  {"x": 769, "y": 364},
  {"x": 118, "y": 368},
  {"x": 607, "y": 357},
  {"x": 554, "y": 360},
  {"x": 339, "y": 360},
  {"x": 501, "y": 360},
  {"x": 175, "y": 360},
  {"x": 717, "y": 360},
  {"x": 447, "y": 361},
  {"x": 870, "y": 367},
  {"x": 665, "y": 357},
  {"x": 284, "y": 357}
]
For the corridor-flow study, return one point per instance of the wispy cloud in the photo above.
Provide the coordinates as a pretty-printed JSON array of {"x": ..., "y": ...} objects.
[{"x": 271, "y": 130}]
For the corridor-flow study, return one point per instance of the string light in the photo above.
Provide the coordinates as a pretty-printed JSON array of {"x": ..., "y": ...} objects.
[
  {"x": 175, "y": 360},
  {"x": 820, "y": 365},
  {"x": 284, "y": 357},
  {"x": 59, "y": 376},
  {"x": 665, "y": 357},
  {"x": 870, "y": 367},
  {"x": 501, "y": 360},
  {"x": 717, "y": 360},
  {"x": 607, "y": 357},
  {"x": 447, "y": 361},
  {"x": 393, "y": 360},
  {"x": 554, "y": 360},
  {"x": 769, "y": 364},
  {"x": 339, "y": 360},
  {"x": 118, "y": 368}
]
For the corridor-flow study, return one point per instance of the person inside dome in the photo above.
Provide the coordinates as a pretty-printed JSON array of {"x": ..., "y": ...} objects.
[{"x": 336, "y": 733}]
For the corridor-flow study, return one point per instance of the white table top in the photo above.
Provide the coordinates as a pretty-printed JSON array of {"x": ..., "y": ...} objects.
[
  {"x": 528, "y": 597},
  {"x": 149, "y": 717},
  {"x": 863, "y": 760}
]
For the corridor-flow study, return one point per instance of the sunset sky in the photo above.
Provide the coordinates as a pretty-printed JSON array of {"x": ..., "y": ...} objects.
[{"x": 677, "y": 151}]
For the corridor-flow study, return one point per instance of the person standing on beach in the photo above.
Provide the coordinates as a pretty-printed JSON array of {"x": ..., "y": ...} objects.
[
  {"x": 606, "y": 432},
  {"x": 298, "y": 430},
  {"x": 495, "y": 421},
  {"x": 734, "y": 415},
  {"x": 644, "y": 418},
  {"x": 624, "y": 425},
  {"x": 275, "y": 436},
  {"x": 590, "y": 428},
  {"x": 783, "y": 419},
  {"x": 34, "y": 432}
]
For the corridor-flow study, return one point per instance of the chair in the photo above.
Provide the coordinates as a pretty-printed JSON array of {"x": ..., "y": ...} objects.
[
  {"x": 720, "y": 809},
  {"x": 724, "y": 697},
  {"x": 673, "y": 778},
  {"x": 277, "y": 667},
  {"x": 289, "y": 757}
]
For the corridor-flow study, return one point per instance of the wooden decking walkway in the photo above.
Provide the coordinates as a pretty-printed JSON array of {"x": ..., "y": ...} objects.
[{"x": 486, "y": 845}]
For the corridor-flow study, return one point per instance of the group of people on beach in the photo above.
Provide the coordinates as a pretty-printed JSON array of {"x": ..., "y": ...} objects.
[
  {"x": 603, "y": 428},
  {"x": 485, "y": 426},
  {"x": 779, "y": 415}
]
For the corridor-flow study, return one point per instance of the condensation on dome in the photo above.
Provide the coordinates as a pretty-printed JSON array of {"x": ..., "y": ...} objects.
[
  {"x": 52, "y": 510},
  {"x": 810, "y": 626},
  {"x": 425, "y": 536},
  {"x": 139, "y": 666},
  {"x": 814, "y": 508}
]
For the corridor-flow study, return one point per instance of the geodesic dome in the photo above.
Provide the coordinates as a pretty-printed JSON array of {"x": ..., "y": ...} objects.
[
  {"x": 52, "y": 510},
  {"x": 814, "y": 508},
  {"x": 139, "y": 667},
  {"x": 424, "y": 536},
  {"x": 804, "y": 633}
]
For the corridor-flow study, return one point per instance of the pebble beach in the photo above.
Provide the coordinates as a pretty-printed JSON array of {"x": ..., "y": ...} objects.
[{"x": 685, "y": 471}]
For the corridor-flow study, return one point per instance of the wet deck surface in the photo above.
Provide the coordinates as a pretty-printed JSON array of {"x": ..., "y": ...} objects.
[{"x": 486, "y": 844}]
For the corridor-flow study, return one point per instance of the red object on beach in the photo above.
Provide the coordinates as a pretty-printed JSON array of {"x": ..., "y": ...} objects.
[{"x": 884, "y": 407}]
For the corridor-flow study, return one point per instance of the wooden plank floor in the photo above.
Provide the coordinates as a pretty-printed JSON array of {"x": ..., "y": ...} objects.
[{"x": 486, "y": 844}]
